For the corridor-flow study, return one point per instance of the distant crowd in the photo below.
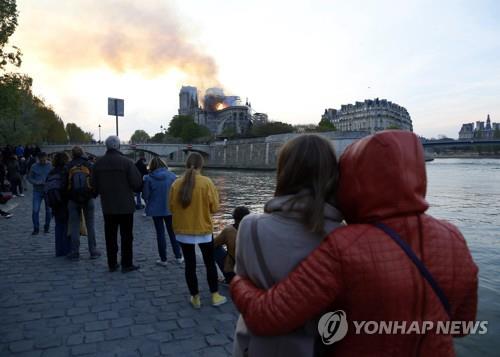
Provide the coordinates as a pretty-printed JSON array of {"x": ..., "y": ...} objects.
[{"x": 342, "y": 240}]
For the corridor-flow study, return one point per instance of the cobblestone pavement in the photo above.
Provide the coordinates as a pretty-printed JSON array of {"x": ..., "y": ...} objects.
[{"x": 53, "y": 307}]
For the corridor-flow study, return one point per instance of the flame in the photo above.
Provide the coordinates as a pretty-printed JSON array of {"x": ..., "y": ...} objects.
[{"x": 220, "y": 106}]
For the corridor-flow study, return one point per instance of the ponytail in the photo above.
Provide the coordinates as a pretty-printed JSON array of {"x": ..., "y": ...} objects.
[{"x": 193, "y": 162}]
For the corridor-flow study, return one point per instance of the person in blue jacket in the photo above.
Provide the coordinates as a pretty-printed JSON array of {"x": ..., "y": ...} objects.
[{"x": 155, "y": 193}]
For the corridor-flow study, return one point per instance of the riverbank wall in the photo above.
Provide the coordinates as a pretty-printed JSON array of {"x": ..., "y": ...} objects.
[{"x": 257, "y": 153}]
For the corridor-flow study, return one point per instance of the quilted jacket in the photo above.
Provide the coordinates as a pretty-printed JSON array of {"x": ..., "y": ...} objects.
[{"x": 361, "y": 270}]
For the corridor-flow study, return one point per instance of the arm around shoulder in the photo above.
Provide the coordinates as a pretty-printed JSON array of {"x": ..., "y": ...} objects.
[{"x": 308, "y": 290}]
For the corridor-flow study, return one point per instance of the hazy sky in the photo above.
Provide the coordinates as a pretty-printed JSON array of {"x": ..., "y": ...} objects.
[{"x": 292, "y": 59}]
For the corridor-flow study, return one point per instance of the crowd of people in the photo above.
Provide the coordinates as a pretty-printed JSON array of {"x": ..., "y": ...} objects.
[
  {"x": 346, "y": 234},
  {"x": 15, "y": 163}
]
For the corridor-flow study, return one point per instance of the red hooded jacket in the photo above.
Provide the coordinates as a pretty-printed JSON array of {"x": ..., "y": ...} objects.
[{"x": 361, "y": 270}]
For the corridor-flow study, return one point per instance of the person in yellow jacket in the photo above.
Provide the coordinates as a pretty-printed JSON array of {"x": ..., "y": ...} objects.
[{"x": 193, "y": 199}]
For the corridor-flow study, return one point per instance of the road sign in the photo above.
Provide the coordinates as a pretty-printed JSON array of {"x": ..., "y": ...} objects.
[{"x": 116, "y": 107}]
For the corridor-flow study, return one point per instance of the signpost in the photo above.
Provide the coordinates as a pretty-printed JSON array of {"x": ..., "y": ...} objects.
[{"x": 116, "y": 107}]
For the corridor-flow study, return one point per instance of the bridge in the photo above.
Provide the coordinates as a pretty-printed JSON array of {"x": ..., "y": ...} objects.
[
  {"x": 462, "y": 143},
  {"x": 174, "y": 152},
  {"x": 255, "y": 153}
]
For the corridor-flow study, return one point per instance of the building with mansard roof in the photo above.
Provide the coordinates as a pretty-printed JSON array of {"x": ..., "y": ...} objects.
[{"x": 370, "y": 116}]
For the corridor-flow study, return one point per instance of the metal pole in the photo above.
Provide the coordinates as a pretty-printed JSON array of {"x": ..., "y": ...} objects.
[
  {"x": 116, "y": 113},
  {"x": 99, "y": 133}
]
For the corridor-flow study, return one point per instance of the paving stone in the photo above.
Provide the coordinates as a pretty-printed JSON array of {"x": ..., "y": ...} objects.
[
  {"x": 185, "y": 323},
  {"x": 75, "y": 339},
  {"x": 21, "y": 346},
  {"x": 77, "y": 311},
  {"x": 107, "y": 315},
  {"x": 140, "y": 330},
  {"x": 56, "y": 352},
  {"x": 88, "y": 348},
  {"x": 117, "y": 333},
  {"x": 96, "y": 336},
  {"x": 217, "y": 340},
  {"x": 47, "y": 342},
  {"x": 96, "y": 326},
  {"x": 122, "y": 322}
]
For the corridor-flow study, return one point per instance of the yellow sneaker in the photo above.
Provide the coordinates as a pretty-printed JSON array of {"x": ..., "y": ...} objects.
[
  {"x": 218, "y": 299},
  {"x": 195, "y": 301}
]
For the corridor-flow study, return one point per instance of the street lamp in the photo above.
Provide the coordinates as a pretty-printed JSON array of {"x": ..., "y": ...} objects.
[{"x": 99, "y": 133}]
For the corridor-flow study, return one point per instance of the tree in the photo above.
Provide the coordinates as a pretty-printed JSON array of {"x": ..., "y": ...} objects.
[
  {"x": 76, "y": 135},
  {"x": 326, "y": 125},
  {"x": 8, "y": 24},
  {"x": 271, "y": 128},
  {"x": 191, "y": 131},
  {"x": 177, "y": 124},
  {"x": 139, "y": 137},
  {"x": 184, "y": 127}
]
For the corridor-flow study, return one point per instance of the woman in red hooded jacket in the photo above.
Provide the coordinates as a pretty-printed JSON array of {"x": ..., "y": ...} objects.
[{"x": 359, "y": 269}]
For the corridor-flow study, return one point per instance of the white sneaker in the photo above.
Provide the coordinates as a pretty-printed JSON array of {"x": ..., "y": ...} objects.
[
  {"x": 179, "y": 260},
  {"x": 20, "y": 195},
  {"x": 161, "y": 263}
]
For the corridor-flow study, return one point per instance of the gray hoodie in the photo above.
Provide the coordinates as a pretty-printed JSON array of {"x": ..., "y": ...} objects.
[{"x": 285, "y": 242}]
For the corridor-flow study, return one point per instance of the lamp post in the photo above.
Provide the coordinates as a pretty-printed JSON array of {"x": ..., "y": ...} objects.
[{"x": 99, "y": 133}]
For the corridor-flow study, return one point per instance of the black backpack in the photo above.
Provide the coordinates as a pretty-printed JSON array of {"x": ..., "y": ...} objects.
[{"x": 53, "y": 189}]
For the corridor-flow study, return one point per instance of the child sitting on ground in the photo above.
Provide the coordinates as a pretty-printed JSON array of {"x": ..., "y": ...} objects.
[{"x": 226, "y": 258}]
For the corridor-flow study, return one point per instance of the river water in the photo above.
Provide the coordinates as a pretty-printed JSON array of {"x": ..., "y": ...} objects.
[{"x": 465, "y": 192}]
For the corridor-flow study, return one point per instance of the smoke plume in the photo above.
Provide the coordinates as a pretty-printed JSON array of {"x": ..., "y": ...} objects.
[{"x": 124, "y": 35}]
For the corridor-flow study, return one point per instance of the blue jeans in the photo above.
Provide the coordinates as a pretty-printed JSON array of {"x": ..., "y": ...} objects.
[
  {"x": 160, "y": 237},
  {"x": 61, "y": 235},
  {"x": 75, "y": 209},
  {"x": 38, "y": 197}
]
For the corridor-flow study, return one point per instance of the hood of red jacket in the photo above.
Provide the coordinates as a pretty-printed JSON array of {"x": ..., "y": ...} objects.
[{"x": 382, "y": 176}]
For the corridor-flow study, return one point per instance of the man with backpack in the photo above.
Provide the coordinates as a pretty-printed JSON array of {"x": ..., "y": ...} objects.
[{"x": 80, "y": 198}]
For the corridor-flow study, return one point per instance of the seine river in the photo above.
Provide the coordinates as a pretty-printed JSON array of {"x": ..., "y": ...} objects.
[{"x": 465, "y": 192}]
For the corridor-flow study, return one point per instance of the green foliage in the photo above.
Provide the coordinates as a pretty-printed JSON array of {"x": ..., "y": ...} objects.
[
  {"x": 271, "y": 128},
  {"x": 326, "y": 125},
  {"x": 25, "y": 118},
  {"x": 177, "y": 124},
  {"x": 76, "y": 135},
  {"x": 184, "y": 127},
  {"x": 139, "y": 137},
  {"x": 496, "y": 133},
  {"x": 8, "y": 24},
  {"x": 393, "y": 127},
  {"x": 229, "y": 132}
]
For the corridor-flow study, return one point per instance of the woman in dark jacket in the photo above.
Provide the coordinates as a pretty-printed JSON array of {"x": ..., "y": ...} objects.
[
  {"x": 14, "y": 176},
  {"x": 60, "y": 209}
]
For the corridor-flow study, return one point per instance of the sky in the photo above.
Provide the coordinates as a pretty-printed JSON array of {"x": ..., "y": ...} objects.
[{"x": 292, "y": 59}]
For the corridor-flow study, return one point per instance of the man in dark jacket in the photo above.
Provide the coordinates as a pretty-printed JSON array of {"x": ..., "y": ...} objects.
[
  {"x": 80, "y": 199},
  {"x": 115, "y": 178}
]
